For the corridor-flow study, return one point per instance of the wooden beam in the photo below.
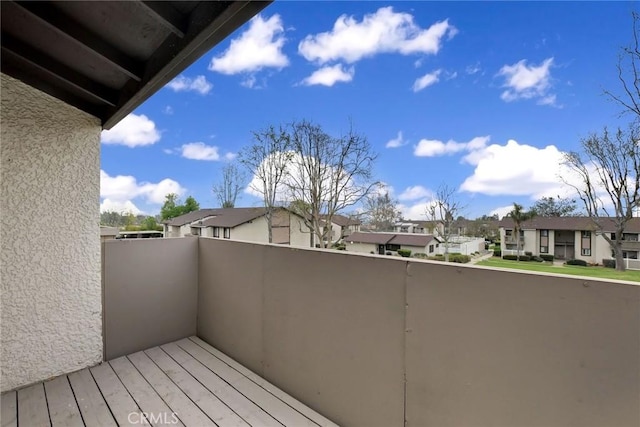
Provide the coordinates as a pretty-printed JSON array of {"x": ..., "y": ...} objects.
[
  {"x": 58, "y": 70},
  {"x": 167, "y": 15},
  {"x": 53, "y": 18}
]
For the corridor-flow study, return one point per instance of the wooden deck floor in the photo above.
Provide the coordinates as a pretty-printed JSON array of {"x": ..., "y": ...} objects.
[{"x": 184, "y": 383}]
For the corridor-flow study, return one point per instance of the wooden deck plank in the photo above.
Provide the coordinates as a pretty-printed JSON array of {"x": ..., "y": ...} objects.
[
  {"x": 144, "y": 395},
  {"x": 295, "y": 404},
  {"x": 9, "y": 409},
  {"x": 123, "y": 408},
  {"x": 63, "y": 408},
  {"x": 220, "y": 413},
  {"x": 249, "y": 411},
  {"x": 32, "y": 406},
  {"x": 92, "y": 406},
  {"x": 187, "y": 411},
  {"x": 267, "y": 401}
]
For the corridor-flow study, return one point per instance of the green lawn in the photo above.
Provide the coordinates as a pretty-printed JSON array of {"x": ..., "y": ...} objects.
[{"x": 601, "y": 272}]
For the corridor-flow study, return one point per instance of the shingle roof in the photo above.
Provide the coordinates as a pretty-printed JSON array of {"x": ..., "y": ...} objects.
[
  {"x": 232, "y": 217},
  {"x": 570, "y": 223},
  {"x": 421, "y": 240},
  {"x": 191, "y": 217},
  {"x": 376, "y": 238},
  {"x": 344, "y": 221}
]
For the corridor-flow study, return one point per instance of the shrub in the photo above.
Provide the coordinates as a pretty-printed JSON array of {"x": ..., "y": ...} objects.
[
  {"x": 372, "y": 252},
  {"x": 546, "y": 257},
  {"x": 404, "y": 252},
  {"x": 497, "y": 252},
  {"x": 609, "y": 263},
  {"x": 388, "y": 253},
  {"x": 460, "y": 259},
  {"x": 579, "y": 262},
  {"x": 524, "y": 258},
  {"x": 537, "y": 259},
  {"x": 439, "y": 255},
  {"x": 420, "y": 255}
]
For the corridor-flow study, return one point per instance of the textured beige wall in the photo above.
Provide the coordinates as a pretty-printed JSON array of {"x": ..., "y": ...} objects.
[
  {"x": 477, "y": 346},
  {"x": 50, "y": 241}
]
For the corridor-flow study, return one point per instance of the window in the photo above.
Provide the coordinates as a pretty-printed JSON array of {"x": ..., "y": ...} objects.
[
  {"x": 544, "y": 233},
  {"x": 586, "y": 252},
  {"x": 544, "y": 249},
  {"x": 391, "y": 247},
  {"x": 216, "y": 231},
  {"x": 586, "y": 234},
  {"x": 227, "y": 233},
  {"x": 508, "y": 232},
  {"x": 430, "y": 248},
  {"x": 613, "y": 236}
]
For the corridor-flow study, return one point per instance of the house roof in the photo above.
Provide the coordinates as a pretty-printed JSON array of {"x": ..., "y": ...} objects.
[
  {"x": 570, "y": 223},
  {"x": 375, "y": 238},
  {"x": 107, "y": 57},
  {"x": 191, "y": 217},
  {"x": 405, "y": 239},
  {"x": 232, "y": 217}
]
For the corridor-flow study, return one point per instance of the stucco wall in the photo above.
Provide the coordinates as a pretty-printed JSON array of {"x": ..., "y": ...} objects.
[
  {"x": 397, "y": 342},
  {"x": 50, "y": 240},
  {"x": 363, "y": 248}
]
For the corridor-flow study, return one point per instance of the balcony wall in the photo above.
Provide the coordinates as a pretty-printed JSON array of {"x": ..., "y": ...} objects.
[
  {"x": 150, "y": 291},
  {"x": 476, "y": 346}
]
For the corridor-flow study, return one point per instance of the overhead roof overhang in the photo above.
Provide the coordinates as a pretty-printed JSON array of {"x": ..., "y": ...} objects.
[{"x": 107, "y": 57}]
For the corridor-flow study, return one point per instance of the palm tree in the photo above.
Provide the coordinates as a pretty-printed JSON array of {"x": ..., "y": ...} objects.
[{"x": 518, "y": 215}]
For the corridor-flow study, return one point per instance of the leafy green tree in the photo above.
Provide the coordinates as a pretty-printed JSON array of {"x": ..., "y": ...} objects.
[
  {"x": 190, "y": 205},
  {"x": 173, "y": 208},
  {"x": 518, "y": 215},
  {"x": 149, "y": 223},
  {"x": 554, "y": 207}
]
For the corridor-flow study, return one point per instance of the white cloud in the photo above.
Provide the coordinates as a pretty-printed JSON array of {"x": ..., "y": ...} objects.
[
  {"x": 434, "y": 147},
  {"x": 384, "y": 31},
  {"x": 516, "y": 169},
  {"x": 258, "y": 47},
  {"x": 502, "y": 211},
  {"x": 330, "y": 75},
  {"x": 396, "y": 142},
  {"x": 527, "y": 82},
  {"x": 132, "y": 131},
  {"x": 415, "y": 211},
  {"x": 200, "y": 151},
  {"x": 168, "y": 110},
  {"x": 249, "y": 82},
  {"x": 186, "y": 84},
  {"x": 119, "y": 191},
  {"x": 473, "y": 69},
  {"x": 127, "y": 206},
  {"x": 415, "y": 192},
  {"x": 426, "y": 80}
]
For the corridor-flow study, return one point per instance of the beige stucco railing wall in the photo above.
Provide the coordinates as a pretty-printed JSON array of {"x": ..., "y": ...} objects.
[{"x": 476, "y": 346}]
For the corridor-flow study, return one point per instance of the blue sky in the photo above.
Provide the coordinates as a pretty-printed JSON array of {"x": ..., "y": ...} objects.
[{"x": 481, "y": 96}]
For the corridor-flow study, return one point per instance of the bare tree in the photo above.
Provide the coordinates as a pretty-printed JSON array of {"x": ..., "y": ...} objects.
[
  {"x": 232, "y": 182},
  {"x": 328, "y": 174},
  {"x": 629, "y": 73},
  {"x": 518, "y": 215},
  {"x": 443, "y": 210},
  {"x": 381, "y": 211},
  {"x": 609, "y": 167},
  {"x": 267, "y": 160}
]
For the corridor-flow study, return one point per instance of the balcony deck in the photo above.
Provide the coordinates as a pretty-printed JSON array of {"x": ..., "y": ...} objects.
[{"x": 187, "y": 382}]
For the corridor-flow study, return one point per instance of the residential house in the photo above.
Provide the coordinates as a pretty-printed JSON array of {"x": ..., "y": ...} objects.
[
  {"x": 341, "y": 227},
  {"x": 419, "y": 227},
  {"x": 569, "y": 238},
  {"x": 248, "y": 224},
  {"x": 380, "y": 243}
]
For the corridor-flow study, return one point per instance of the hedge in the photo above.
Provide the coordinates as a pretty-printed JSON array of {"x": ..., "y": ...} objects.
[
  {"x": 546, "y": 257},
  {"x": 404, "y": 252},
  {"x": 460, "y": 259},
  {"x": 579, "y": 262},
  {"x": 515, "y": 257},
  {"x": 497, "y": 252},
  {"x": 609, "y": 263}
]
